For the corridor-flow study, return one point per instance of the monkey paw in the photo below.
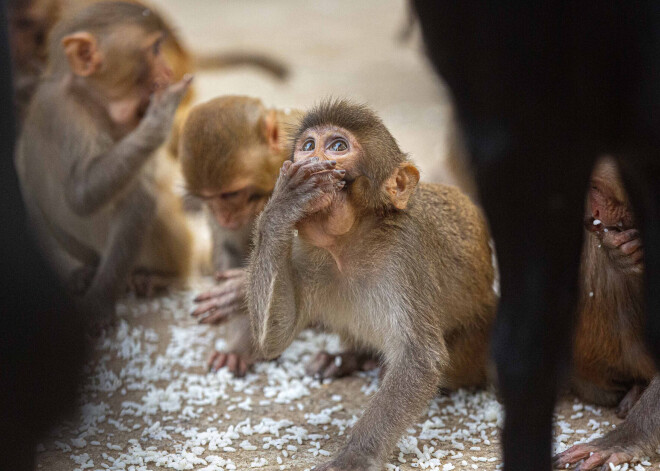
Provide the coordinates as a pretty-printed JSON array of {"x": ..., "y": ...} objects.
[
  {"x": 223, "y": 301},
  {"x": 328, "y": 365},
  {"x": 238, "y": 364},
  {"x": 595, "y": 457}
]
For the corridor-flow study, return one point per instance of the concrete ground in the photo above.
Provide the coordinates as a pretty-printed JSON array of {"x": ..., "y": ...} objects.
[{"x": 148, "y": 402}]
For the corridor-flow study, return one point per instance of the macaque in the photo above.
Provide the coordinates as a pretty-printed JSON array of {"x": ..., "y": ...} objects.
[
  {"x": 85, "y": 157},
  {"x": 32, "y": 20},
  {"x": 613, "y": 366},
  {"x": 231, "y": 150},
  {"x": 350, "y": 241}
]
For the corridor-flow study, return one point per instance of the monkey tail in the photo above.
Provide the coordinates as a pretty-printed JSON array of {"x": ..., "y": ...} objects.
[{"x": 273, "y": 66}]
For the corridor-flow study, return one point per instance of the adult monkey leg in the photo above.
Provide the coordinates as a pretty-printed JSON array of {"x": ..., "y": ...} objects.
[
  {"x": 538, "y": 249},
  {"x": 533, "y": 87}
]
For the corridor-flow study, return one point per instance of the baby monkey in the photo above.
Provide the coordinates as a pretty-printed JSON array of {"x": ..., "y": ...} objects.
[
  {"x": 351, "y": 241},
  {"x": 231, "y": 149}
]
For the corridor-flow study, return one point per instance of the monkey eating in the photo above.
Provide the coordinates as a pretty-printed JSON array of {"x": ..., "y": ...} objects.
[
  {"x": 613, "y": 366},
  {"x": 85, "y": 156},
  {"x": 350, "y": 241},
  {"x": 231, "y": 149}
]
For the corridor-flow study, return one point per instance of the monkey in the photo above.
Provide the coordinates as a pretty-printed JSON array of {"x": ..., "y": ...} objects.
[
  {"x": 43, "y": 351},
  {"x": 231, "y": 149},
  {"x": 85, "y": 157},
  {"x": 612, "y": 365},
  {"x": 351, "y": 241},
  {"x": 32, "y": 20},
  {"x": 541, "y": 91}
]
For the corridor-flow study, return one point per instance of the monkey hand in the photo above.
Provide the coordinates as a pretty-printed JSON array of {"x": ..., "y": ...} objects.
[
  {"x": 328, "y": 365},
  {"x": 624, "y": 248},
  {"x": 220, "y": 303},
  {"x": 81, "y": 279},
  {"x": 305, "y": 187},
  {"x": 159, "y": 117},
  {"x": 620, "y": 446},
  {"x": 238, "y": 363}
]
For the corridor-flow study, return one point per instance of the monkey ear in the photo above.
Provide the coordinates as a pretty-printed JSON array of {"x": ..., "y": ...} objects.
[
  {"x": 271, "y": 130},
  {"x": 401, "y": 184},
  {"x": 82, "y": 53}
]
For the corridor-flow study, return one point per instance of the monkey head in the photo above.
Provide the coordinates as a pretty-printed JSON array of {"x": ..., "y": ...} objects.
[
  {"x": 230, "y": 150},
  {"x": 30, "y": 21},
  {"x": 112, "y": 52},
  {"x": 379, "y": 177},
  {"x": 607, "y": 201}
]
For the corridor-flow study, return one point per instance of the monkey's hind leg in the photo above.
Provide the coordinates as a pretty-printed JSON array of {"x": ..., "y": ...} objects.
[{"x": 133, "y": 217}]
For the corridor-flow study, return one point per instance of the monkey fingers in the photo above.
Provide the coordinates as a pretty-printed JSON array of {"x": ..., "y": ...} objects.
[
  {"x": 218, "y": 310},
  {"x": 629, "y": 400},
  {"x": 230, "y": 274},
  {"x": 327, "y": 365},
  {"x": 236, "y": 363},
  {"x": 147, "y": 285}
]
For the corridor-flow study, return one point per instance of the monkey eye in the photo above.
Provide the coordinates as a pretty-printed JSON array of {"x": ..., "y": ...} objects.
[
  {"x": 156, "y": 47},
  {"x": 229, "y": 195},
  {"x": 338, "y": 145},
  {"x": 308, "y": 145}
]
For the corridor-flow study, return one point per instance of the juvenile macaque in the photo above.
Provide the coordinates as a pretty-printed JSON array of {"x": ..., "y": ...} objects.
[
  {"x": 31, "y": 21},
  {"x": 612, "y": 364},
  {"x": 350, "y": 241},
  {"x": 231, "y": 150},
  {"x": 85, "y": 157}
]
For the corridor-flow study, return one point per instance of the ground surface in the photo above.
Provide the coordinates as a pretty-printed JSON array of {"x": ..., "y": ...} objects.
[{"x": 149, "y": 403}]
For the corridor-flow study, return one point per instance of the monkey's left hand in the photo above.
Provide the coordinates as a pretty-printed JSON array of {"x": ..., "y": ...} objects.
[
  {"x": 223, "y": 301},
  {"x": 624, "y": 249}
]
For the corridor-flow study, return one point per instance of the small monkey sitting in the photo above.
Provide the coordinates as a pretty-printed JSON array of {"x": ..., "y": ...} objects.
[
  {"x": 231, "y": 149},
  {"x": 85, "y": 157},
  {"x": 350, "y": 241}
]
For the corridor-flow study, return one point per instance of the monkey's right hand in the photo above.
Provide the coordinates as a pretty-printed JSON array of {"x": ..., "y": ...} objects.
[
  {"x": 306, "y": 186},
  {"x": 220, "y": 303},
  {"x": 159, "y": 117},
  {"x": 624, "y": 249}
]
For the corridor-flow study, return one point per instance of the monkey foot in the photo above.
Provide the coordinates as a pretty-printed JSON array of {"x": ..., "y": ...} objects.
[
  {"x": 328, "y": 365},
  {"x": 593, "y": 456},
  {"x": 629, "y": 400},
  {"x": 236, "y": 363},
  {"x": 147, "y": 285}
]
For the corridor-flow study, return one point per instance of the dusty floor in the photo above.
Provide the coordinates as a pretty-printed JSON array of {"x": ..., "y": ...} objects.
[{"x": 148, "y": 402}]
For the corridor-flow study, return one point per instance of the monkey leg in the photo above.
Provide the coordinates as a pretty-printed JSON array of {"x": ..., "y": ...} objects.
[
  {"x": 538, "y": 276},
  {"x": 636, "y": 437},
  {"x": 329, "y": 365},
  {"x": 409, "y": 384},
  {"x": 133, "y": 217}
]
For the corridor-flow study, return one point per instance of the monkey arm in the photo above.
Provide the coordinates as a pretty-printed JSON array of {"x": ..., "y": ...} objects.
[
  {"x": 271, "y": 297},
  {"x": 97, "y": 176},
  {"x": 411, "y": 380},
  {"x": 95, "y": 182}
]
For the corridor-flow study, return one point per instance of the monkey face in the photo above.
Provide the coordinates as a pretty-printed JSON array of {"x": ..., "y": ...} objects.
[
  {"x": 235, "y": 207},
  {"x": 338, "y": 214},
  {"x": 28, "y": 30}
]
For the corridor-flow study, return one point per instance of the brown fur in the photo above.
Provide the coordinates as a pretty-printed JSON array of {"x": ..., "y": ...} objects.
[
  {"x": 233, "y": 144},
  {"x": 612, "y": 365},
  {"x": 92, "y": 184},
  {"x": 411, "y": 279}
]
